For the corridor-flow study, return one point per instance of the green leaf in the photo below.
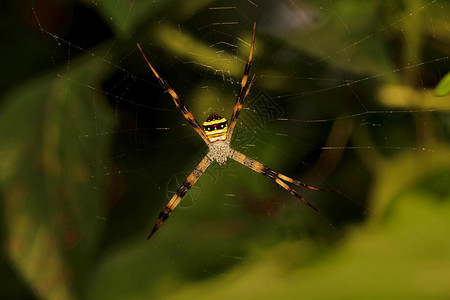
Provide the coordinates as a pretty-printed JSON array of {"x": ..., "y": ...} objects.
[
  {"x": 51, "y": 147},
  {"x": 124, "y": 16},
  {"x": 406, "y": 97},
  {"x": 443, "y": 88}
]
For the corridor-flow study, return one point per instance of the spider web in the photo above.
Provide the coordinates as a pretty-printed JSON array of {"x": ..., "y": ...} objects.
[{"x": 344, "y": 97}]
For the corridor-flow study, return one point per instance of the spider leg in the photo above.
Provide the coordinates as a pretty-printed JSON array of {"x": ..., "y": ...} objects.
[
  {"x": 187, "y": 114},
  {"x": 302, "y": 184},
  {"x": 181, "y": 191},
  {"x": 240, "y": 99},
  {"x": 279, "y": 178}
]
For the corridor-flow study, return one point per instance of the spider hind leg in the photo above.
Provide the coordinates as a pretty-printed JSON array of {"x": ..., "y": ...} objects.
[
  {"x": 302, "y": 184},
  {"x": 279, "y": 178},
  {"x": 179, "y": 194}
]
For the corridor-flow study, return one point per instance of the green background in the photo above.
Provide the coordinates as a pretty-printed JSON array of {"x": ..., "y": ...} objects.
[{"x": 90, "y": 145}]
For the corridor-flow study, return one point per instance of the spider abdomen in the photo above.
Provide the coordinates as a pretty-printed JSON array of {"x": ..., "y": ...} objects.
[{"x": 215, "y": 128}]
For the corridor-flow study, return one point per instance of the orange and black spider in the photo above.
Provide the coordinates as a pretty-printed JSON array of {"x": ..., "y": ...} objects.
[{"x": 217, "y": 136}]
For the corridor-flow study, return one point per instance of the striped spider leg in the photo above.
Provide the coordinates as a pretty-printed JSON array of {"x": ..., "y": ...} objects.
[
  {"x": 178, "y": 103},
  {"x": 279, "y": 178},
  {"x": 239, "y": 99},
  {"x": 181, "y": 191}
]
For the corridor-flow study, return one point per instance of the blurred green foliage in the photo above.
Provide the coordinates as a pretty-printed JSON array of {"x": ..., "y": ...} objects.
[
  {"x": 83, "y": 170},
  {"x": 443, "y": 89}
]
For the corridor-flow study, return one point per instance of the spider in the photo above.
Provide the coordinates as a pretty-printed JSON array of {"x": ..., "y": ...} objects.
[{"x": 217, "y": 135}]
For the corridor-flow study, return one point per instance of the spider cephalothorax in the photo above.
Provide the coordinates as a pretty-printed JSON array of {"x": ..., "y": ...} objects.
[
  {"x": 217, "y": 135},
  {"x": 220, "y": 151}
]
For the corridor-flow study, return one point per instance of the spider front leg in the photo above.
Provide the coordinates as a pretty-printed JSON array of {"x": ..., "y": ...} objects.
[
  {"x": 279, "y": 178},
  {"x": 240, "y": 96},
  {"x": 187, "y": 114},
  {"x": 181, "y": 191}
]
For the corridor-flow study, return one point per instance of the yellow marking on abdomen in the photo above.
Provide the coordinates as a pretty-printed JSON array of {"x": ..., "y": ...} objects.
[
  {"x": 213, "y": 122},
  {"x": 215, "y": 128}
]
